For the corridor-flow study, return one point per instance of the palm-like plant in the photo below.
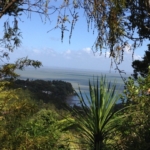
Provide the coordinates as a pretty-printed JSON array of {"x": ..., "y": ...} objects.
[{"x": 98, "y": 118}]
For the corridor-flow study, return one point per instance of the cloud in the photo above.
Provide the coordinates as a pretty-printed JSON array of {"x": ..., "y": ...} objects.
[
  {"x": 87, "y": 50},
  {"x": 81, "y": 59},
  {"x": 54, "y": 39},
  {"x": 137, "y": 57},
  {"x": 37, "y": 52},
  {"x": 68, "y": 52}
]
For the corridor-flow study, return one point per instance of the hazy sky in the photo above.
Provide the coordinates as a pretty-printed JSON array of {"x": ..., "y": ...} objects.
[{"x": 47, "y": 47}]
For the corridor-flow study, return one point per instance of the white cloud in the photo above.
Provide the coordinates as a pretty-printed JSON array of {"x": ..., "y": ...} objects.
[
  {"x": 54, "y": 39},
  {"x": 107, "y": 54},
  {"x": 137, "y": 57},
  {"x": 36, "y": 51},
  {"x": 87, "y": 50},
  {"x": 67, "y": 52},
  {"x": 82, "y": 59}
]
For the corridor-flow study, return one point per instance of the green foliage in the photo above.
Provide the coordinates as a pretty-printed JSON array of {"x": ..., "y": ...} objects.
[
  {"x": 10, "y": 7},
  {"x": 115, "y": 21},
  {"x": 135, "y": 132},
  {"x": 97, "y": 120},
  {"x": 16, "y": 107},
  {"x": 8, "y": 70},
  {"x": 11, "y": 38},
  {"x": 27, "y": 124},
  {"x": 139, "y": 18},
  {"x": 42, "y": 130},
  {"x": 141, "y": 66},
  {"x": 49, "y": 91}
]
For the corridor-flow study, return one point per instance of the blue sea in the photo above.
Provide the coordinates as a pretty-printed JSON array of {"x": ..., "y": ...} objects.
[{"x": 78, "y": 78}]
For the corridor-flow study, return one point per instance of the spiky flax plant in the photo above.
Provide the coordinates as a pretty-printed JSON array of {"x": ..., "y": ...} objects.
[{"x": 98, "y": 119}]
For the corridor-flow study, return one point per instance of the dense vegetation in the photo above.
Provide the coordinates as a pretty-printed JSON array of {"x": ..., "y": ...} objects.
[
  {"x": 27, "y": 123},
  {"x": 141, "y": 66},
  {"x": 48, "y": 91}
]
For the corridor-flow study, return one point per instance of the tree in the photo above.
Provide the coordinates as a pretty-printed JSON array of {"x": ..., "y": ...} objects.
[
  {"x": 98, "y": 119},
  {"x": 141, "y": 67},
  {"x": 28, "y": 124},
  {"x": 139, "y": 17},
  {"x": 11, "y": 39},
  {"x": 115, "y": 21},
  {"x": 135, "y": 131}
]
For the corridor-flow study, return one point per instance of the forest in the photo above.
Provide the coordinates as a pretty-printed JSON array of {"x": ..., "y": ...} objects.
[
  {"x": 32, "y": 116},
  {"x": 33, "y": 119},
  {"x": 56, "y": 90}
]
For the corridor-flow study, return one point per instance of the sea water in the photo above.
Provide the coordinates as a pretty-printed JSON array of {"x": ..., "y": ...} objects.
[{"x": 78, "y": 79}]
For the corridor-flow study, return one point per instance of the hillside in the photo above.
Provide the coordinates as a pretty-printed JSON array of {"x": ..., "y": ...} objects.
[{"x": 47, "y": 91}]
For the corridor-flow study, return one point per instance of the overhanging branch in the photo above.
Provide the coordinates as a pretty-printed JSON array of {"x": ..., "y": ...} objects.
[{"x": 7, "y": 7}]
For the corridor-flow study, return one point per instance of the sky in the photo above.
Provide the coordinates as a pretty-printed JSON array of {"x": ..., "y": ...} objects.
[{"x": 47, "y": 47}]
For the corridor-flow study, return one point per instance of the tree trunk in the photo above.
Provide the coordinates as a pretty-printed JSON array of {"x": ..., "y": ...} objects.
[{"x": 98, "y": 141}]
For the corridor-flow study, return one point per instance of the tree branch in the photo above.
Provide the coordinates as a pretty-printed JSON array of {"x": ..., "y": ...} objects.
[{"x": 7, "y": 7}]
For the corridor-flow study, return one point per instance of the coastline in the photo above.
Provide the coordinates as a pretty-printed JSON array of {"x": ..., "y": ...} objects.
[{"x": 72, "y": 100}]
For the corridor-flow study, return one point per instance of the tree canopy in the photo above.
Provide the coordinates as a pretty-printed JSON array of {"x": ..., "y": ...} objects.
[
  {"x": 141, "y": 67},
  {"x": 114, "y": 21}
]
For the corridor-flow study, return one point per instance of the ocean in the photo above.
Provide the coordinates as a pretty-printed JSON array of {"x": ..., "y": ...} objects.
[{"x": 78, "y": 78}]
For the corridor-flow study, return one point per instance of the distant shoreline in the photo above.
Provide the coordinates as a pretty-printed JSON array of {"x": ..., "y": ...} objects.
[
  {"x": 78, "y": 78},
  {"x": 75, "y": 69}
]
